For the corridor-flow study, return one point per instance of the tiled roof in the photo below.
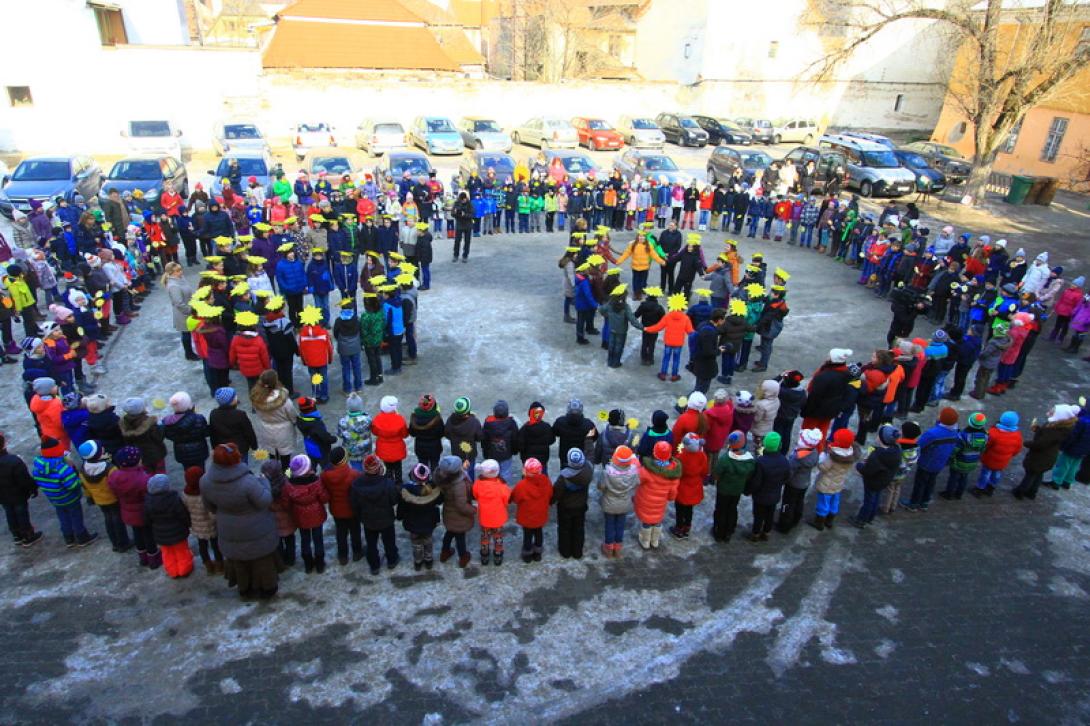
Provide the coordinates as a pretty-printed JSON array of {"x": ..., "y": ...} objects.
[
  {"x": 301, "y": 44},
  {"x": 373, "y": 10}
]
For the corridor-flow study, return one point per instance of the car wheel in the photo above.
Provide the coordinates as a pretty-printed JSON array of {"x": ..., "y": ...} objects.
[
  {"x": 866, "y": 189},
  {"x": 711, "y": 175},
  {"x": 776, "y": 139}
]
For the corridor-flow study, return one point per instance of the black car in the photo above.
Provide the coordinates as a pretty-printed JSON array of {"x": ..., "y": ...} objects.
[
  {"x": 481, "y": 161},
  {"x": 927, "y": 178},
  {"x": 681, "y": 129},
  {"x": 47, "y": 177},
  {"x": 395, "y": 163},
  {"x": 944, "y": 158},
  {"x": 147, "y": 174},
  {"x": 724, "y": 161},
  {"x": 826, "y": 161},
  {"x": 722, "y": 131}
]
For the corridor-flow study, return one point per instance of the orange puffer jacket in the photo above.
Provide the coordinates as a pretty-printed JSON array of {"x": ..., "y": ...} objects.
[
  {"x": 658, "y": 486},
  {"x": 677, "y": 326}
]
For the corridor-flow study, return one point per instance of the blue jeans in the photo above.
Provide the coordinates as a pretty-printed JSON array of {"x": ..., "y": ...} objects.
[
  {"x": 751, "y": 230},
  {"x": 505, "y": 470},
  {"x": 827, "y": 504},
  {"x": 726, "y": 365},
  {"x": 940, "y": 385},
  {"x": 639, "y": 281},
  {"x": 765, "y": 348},
  {"x": 322, "y": 303},
  {"x": 71, "y": 519},
  {"x": 988, "y": 478},
  {"x": 615, "y": 524},
  {"x": 671, "y": 358},
  {"x": 425, "y": 276},
  {"x": 351, "y": 373},
  {"x": 743, "y": 353},
  {"x": 823, "y": 238},
  {"x": 313, "y": 545},
  {"x": 705, "y": 215},
  {"x": 870, "y": 506},
  {"x": 616, "y": 349},
  {"x": 320, "y": 391},
  {"x": 561, "y": 217},
  {"x": 524, "y": 222}
]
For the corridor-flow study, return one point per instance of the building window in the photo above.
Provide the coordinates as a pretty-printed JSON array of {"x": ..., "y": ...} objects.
[
  {"x": 958, "y": 132},
  {"x": 20, "y": 96},
  {"x": 688, "y": 51},
  {"x": 111, "y": 25},
  {"x": 1084, "y": 39},
  {"x": 1055, "y": 137},
  {"x": 898, "y": 102},
  {"x": 1012, "y": 138},
  {"x": 773, "y": 48}
]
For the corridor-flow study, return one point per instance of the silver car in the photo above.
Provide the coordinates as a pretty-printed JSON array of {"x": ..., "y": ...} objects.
[
  {"x": 257, "y": 164},
  {"x": 377, "y": 136},
  {"x": 641, "y": 132},
  {"x": 483, "y": 134},
  {"x": 546, "y": 132},
  {"x": 648, "y": 165},
  {"x": 436, "y": 135},
  {"x": 238, "y": 136},
  {"x": 307, "y": 136}
]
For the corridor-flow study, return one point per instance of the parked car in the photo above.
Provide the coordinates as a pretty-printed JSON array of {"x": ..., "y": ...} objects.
[
  {"x": 723, "y": 131},
  {"x": 396, "y": 163},
  {"x": 148, "y": 174},
  {"x": 867, "y": 136},
  {"x": 306, "y": 136},
  {"x": 872, "y": 168},
  {"x": 826, "y": 161},
  {"x": 238, "y": 136},
  {"x": 597, "y": 134},
  {"x": 47, "y": 177},
  {"x": 927, "y": 179},
  {"x": 483, "y": 134},
  {"x": 435, "y": 135},
  {"x": 153, "y": 137},
  {"x": 546, "y": 132},
  {"x": 7, "y": 209},
  {"x": 803, "y": 131},
  {"x": 377, "y": 136},
  {"x": 724, "y": 160},
  {"x": 945, "y": 158},
  {"x": 641, "y": 132},
  {"x": 649, "y": 165},
  {"x": 760, "y": 129},
  {"x": 681, "y": 130},
  {"x": 252, "y": 163},
  {"x": 575, "y": 163},
  {"x": 481, "y": 161},
  {"x": 333, "y": 160}
]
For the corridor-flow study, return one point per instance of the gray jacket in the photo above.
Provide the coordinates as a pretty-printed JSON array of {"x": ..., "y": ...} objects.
[
  {"x": 719, "y": 282},
  {"x": 993, "y": 351},
  {"x": 802, "y": 468},
  {"x": 179, "y": 290},
  {"x": 240, "y": 501},
  {"x": 619, "y": 320},
  {"x": 616, "y": 487}
]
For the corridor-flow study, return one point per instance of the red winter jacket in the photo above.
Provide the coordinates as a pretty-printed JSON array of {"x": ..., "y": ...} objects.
[
  {"x": 694, "y": 467},
  {"x": 337, "y": 480},
  {"x": 720, "y": 418},
  {"x": 1001, "y": 448},
  {"x": 531, "y": 495},
  {"x": 782, "y": 210},
  {"x": 130, "y": 486},
  {"x": 307, "y": 498},
  {"x": 390, "y": 430},
  {"x": 690, "y": 421},
  {"x": 249, "y": 354},
  {"x": 1069, "y": 300},
  {"x": 315, "y": 346}
]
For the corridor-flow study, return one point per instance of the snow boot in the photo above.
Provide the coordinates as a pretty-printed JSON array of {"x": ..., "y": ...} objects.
[
  {"x": 818, "y": 523},
  {"x": 656, "y": 536},
  {"x": 155, "y": 560},
  {"x": 645, "y": 537},
  {"x": 143, "y": 557}
]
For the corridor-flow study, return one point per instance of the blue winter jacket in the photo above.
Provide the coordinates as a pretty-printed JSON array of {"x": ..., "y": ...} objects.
[
  {"x": 1077, "y": 444},
  {"x": 936, "y": 445},
  {"x": 584, "y": 295},
  {"x": 338, "y": 242},
  {"x": 345, "y": 276},
  {"x": 319, "y": 281},
  {"x": 395, "y": 316},
  {"x": 386, "y": 239},
  {"x": 291, "y": 277}
]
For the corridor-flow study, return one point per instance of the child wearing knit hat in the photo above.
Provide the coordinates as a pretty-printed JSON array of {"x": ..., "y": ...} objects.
[
  {"x": 418, "y": 511},
  {"x": 879, "y": 469},
  {"x": 971, "y": 444},
  {"x": 373, "y": 497},
  {"x": 660, "y": 474},
  {"x": 492, "y": 496},
  {"x": 732, "y": 470},
  {"x": 766, "y": 485},
  {"x": 464, "y": 431},
  {"x": 834, "y": 466},
  {"x": 94, "y": 472},
  {"x": 307, "y": 497},
  {"x": 129, "y": 483},
  {"x": 802, "y": 459},
  {"x": 1004, "y": 443},
  {"x": 337, "y": 480},
  {"x": 316, "y": 438},
  {"x": 354, "y": 431},
  {"x": 531, "y": 497},
  {"x": 570, "y": 495},
  {"x": 169, "y": 520},
  {"x": 910, "y": 452},
  {"x": 615, "y": 488},
  {"x": 690, "y": 489},
  {"x": 936, "y": 447},
  {"x": 202, "y": 522}
]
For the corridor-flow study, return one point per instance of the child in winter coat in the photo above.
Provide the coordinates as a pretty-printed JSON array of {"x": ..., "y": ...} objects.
[
  {"x": 802, "y": 460},
  {"x": 306, "y": 497},
  {"x": 766, "y": 408},
  {"x": 971, "y": 444},
  {"x": 389, "y": 430},
  {"x": 143, "y": 431},
  {"x": 936, "y": 446},
  {"x": 55, "y": 478},
  {"x": 187, "y": 430},
  {"x": 354, "y": 431},
  {"x": 649, "y": 312},
  {"x": 677, "y": 327},
  {"x": 616, "y": 433},
  {"x": 834, "y": 466},
  {"x": 418, "y": 511},
  {"x": 910, "y": 452},
  {"x": 690, "y": 490},
  {"x": 988, "y": 362},
  {"x": 47, "y": 408},
  {"x": 459, "y": 514},
  {"x": 745, "y": 411},
  {"x": 765, "y": 486},
  {"x": 659, "y": 430},
  {"x": 492, "y": 495},
  {"x": 660, "y": 476},
  {"x": 317, "y": 441},
  {"x": 732, "y": 471},
  {"x": 74, "y": 419},
  {"x": 464, "y": 431},
  {"x": 273, "y": 472},
  {"x": 168, "y": 518},
  {"x": 374, "y": 496},
  {"x": 877, "y": 471},
  {"x": 202, "y": 523},
  {"x": 16, "y": 489},
  {"x": 615, "y": 488},
  {"x": 129, "y": 483},
  {"x": 570, "y": 496},
  {"x": 498, "y": 438},
  {"x": 337, "y": 480},
  {"x": 94, "y": 472},
  {"x": 1065, "y": 308},
  {"x": 1004, "y": 442},
  {"x": 1043, "y": 450},
  {"x": 720, "y": 418}
]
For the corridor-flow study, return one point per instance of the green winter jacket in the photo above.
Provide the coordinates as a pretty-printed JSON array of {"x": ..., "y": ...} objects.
[
  {"x": 732, "y": 471},
  {"x": 372, "y": 328},
  {"x": 550, "y": 203},
  {"x": 524, "y": 204},
  {"x": 753, "y": 314},
  {"x": 537, "y": 204}
]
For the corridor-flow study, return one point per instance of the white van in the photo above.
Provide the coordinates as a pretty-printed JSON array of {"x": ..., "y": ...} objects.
[{"x": 153, "y": 137}]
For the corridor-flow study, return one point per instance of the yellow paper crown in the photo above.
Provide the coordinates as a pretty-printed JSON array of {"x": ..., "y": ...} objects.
[
  {"x": 692, "y": 238},
  {"x": 730, "y": 242},
  {"x": 240, "y": 289},
  {"x": 223, "y": 240},
  {"x": 654, "y": 291},
  {"x": 291, "y": 220},
  {"x": 397, "y": 256},
  {"x": 676, "y": 302},
  {"x": 262, "y": 226},
  {"x": 737, "y": 307},
  {"x": 370, "y": 294},
  {"x": 758, "y": 255},
  {"x": 404, "y": 279},
  {"x": 256, "y": 260},
  {"x": 753, "y": 268},
  {"x": 204, "y": 310},
  {"x": 723, "y": 257},
  {"x": 317, "y": 218},
  {"x": 596, "y": 259},
  {"x": 408, "y": 268},
  {"x": 377, "y": 280},
  {"x": 578, "y": 235},
  {"x": 571, "y": 250},
  {"x": 246, "y": 318},
  {"x": 245, "y": 238},
  {"x": 387, "y": 288},
  {"x": 310, "y": 315},
  {"x": 347, "y": 302},
  {"x": 782, "y": 274},
  {"x": 589, "y": 243},
  {"x": 781, "y": 288},
  {"x": 213, "y": 258},
  {"x": 620, "y": 289},
  {"x": 703, "y": 292},
  {"x": 601, "y": 229},
  {"x": 755, "y": 289},
  {"x": 421, "y": 226},
  {"x": 286, "y": 247},
  {"x": 583, "y": 267},
  {"x": 613, "y": 271},
  {"x": 262, "y": 294},
  {"x": 201, "y": 293},
  {"x": 373, "y": 253}
]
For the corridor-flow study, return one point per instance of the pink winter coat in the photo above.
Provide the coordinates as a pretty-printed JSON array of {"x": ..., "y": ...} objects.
[
  {"x": 1069, "y": 300},
  {"x": 130, "y": 486},
  {"x": 1018, "y": 334}
]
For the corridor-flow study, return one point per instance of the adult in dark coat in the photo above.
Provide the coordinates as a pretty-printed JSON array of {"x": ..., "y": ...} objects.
[
  {"x": 574, "y": 431},
  {"x": 245, "y": 525},
  {"x": 217, "y": 223},
  {"x": 828, "y": 391},
  {"x": 463, "y": 225},
  {"x": 670, "y": 243},
  {"x": 705, "y": 356}
]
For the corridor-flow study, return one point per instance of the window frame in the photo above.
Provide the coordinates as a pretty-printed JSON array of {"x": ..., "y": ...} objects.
[
  {"x": 110, "y": 22},
  {"x": 1054, "y": 138},
  {"x": 12, "y": 97}
]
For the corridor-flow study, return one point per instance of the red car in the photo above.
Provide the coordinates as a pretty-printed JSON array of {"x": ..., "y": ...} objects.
[{"x": 597, "y": 134}]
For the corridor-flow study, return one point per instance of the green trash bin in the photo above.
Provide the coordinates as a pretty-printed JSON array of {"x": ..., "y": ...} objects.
[{"x": 1020, "y": 186}]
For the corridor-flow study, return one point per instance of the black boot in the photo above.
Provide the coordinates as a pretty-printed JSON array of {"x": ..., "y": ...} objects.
[
  {"x": 319, "y": 565},
  {"x": 308, "y": 564},
  {"x": 818, "y": 523},
  {"x": 485, "y": 557},
  {"x": 829, "y": 520}
]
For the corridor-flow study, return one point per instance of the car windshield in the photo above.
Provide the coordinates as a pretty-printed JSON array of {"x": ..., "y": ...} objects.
[
  {"x": 644, "y": 124},
  {"x": 133, "y": 169},
  {"x": 577, "y": 164},
  {"x": 41, "y": 171},
  {"x": 914, "y": 161},
  {"x": 598, "y": 125},
  {"x": 728, "y": 125},
  {"x": 880, "y": 159},
  {"x": 241, "y": 131},
  {"x": 659, "y": 163},
  {"x": 142, "y": 129},
  {"x": 499, "y": 162},
  {"x": 486, "y": 126},
  {"x": 556, "y": 124},
  {"x": 312, "y": 128},
  {"x": 439, "y": 126},
  {"x": 947, "y": 151},
  {"x": 762, "y": 124},
  {"x": 755, "y": 160},
  {"x": 688, "y": 123},
  {"x": 412, "y": 164},
  {"x": 249, "y": 166},
  {"x": 331, "y": 164},
  {"x": 388, "y": 129}
]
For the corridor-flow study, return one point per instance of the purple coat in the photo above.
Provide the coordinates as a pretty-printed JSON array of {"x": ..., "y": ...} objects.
[
  {"x": 217, "y": 349},
  {"x": 56, "y": 354},
  {"x": 130, "y": 486},
  {"x": 1080, "y": 319},
  {"x": 263, "y": 247},
  {"x": 39, "y": 222}
]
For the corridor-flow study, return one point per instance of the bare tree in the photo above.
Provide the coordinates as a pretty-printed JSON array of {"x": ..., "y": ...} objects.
[
  {"x": 1014, "y": 57},
  {"x": 1079, "y": 176}
]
